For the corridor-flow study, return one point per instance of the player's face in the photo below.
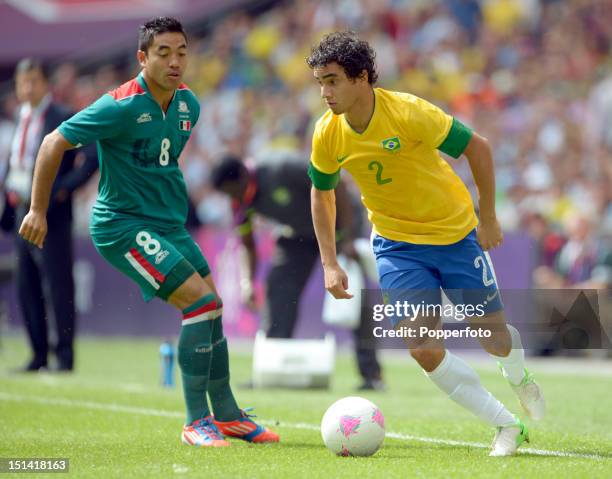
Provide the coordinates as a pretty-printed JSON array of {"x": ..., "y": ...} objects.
[
  {"x": 339, "y": 92},
  {"x": 166, "y": 60},
  {"x": 31, "y": 86}
]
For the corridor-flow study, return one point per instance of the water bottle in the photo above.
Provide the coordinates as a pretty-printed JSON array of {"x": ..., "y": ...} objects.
[{"x": 166, "y": 352}]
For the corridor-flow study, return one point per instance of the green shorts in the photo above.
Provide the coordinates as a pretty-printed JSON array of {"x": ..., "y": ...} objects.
[{"x": 158, "y": 262}]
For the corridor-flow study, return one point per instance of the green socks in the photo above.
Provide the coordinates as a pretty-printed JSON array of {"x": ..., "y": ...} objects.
[
  {"x": 194, "y": 355},
  {"x": 219, "y": 390}
]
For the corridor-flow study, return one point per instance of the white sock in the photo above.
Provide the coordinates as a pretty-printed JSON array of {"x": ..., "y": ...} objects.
[
  {"x": 461, "y": 383},
  {"x": 514, "y": 363}
]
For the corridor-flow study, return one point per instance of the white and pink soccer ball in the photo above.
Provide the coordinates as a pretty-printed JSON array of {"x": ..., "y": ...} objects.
[{"x": 353, "y": 426}]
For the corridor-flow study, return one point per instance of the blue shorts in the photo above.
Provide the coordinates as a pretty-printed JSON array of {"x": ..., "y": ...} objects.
[{"x": 417, "y": 273}]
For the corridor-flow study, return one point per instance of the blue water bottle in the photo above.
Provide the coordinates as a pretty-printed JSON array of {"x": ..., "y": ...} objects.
[{"x": 166, "y": 352}]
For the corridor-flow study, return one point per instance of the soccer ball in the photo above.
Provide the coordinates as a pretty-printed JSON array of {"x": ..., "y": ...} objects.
[{"x": 353, "y": 426}]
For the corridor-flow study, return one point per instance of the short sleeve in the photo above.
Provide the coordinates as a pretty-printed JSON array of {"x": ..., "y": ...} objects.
[
  {"x": 100, "y": 120},
  {"x": 427, "y": 123},
  {"x": 434, "y": 127},
  {"x": 457, "y": 139},
  {"x": 324, "y": 171}
]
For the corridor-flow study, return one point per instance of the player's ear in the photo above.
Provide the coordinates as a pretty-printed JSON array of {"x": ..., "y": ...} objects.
[{"x": 141, "y": 56}]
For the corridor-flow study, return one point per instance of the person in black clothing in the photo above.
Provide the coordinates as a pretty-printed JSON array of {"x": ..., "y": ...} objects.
[
  {"x": 280, "y": 190},
  {"x": 44, "y": 275}
]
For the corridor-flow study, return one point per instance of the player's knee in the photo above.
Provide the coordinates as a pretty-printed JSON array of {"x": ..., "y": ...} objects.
[
  {"x": 428, "y": 359},
  {"x": 195, "y": 288},
  {"x": 189, "y": 292}
]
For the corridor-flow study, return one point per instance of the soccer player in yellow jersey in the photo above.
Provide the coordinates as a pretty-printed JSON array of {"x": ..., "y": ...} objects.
[{"x": 426, "y": 235}]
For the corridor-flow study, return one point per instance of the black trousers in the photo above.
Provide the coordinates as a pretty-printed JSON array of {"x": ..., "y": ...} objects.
[
  {"x": 292, "y": 265},
  {"x": 45, "y": 283}
]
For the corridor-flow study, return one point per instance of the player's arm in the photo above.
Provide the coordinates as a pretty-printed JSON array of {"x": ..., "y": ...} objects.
[
  {"x": 99, "y": 120},
  {"x": 480, "y": 158},
  {"x": 68, "y": 183},
  {"x": 447, "y": 134},
  {"x": 248, "y": 241},
  {"x": 346, "y": 221},
  {"x": 323, "y": 205},
  {"x": 325, "y": 174},
  {"x": 247, "y": 291},
  {"x": 50, "y": 154}
]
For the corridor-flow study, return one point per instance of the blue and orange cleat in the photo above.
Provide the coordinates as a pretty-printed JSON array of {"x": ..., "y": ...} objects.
[
  {"x": 204, "y": 433},
  {"x": 246, "y": 429}
]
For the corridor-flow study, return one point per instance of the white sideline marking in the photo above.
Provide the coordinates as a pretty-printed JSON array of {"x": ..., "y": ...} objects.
[{"x": 310, "y": 427}]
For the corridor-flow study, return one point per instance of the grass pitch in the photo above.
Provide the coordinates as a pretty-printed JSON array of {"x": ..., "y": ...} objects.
[{"x": 113, "y": 420}]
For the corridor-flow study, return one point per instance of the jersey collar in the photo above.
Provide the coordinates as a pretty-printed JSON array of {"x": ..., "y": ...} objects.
[{"x": 141, "y": 81}]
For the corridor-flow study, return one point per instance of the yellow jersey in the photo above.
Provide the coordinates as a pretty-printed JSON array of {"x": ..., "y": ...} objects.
[{"x": 410, "y": 192}]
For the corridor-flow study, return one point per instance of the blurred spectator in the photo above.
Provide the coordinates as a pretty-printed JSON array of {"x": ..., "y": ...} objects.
[
  {"x": 584, "y": 262},
  {"x": 548, "y": 243},
  {"x": 44, "y": 276}
]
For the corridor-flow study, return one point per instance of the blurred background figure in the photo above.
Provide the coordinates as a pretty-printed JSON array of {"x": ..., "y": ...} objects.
[
  {"x": 44, "y": 277},
  {"x": 280, "y": 191},
  {"x": 583, "y": 262}
]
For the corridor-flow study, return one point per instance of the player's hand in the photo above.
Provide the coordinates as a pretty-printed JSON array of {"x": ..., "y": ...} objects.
[
  {"x": 34, "y": 228},
  {"x": 489, "y": 234},
  {"x": 336, "y": 282}
]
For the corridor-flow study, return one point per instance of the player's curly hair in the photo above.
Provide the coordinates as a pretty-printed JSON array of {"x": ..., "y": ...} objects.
[
  {"x": 348, "y": 51},
  {"x": 157, "y": 26}
]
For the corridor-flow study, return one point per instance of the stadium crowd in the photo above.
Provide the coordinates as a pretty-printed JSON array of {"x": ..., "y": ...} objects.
[{"x": 533, "y": 76}]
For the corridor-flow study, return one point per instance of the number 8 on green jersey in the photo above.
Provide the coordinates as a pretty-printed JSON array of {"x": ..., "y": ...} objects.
[{"x": 141, "y": 187}]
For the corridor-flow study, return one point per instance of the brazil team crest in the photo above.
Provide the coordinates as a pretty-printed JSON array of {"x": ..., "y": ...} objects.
[{"x": 391, "y": 144}]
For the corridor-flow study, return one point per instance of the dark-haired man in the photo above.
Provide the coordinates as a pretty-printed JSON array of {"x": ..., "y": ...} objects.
[
  {"x": 138, "y": 221},
  {"x": 426, "y": 236},
  {"x": 280, "y": 191},
  {"x": 44, "y": 278}
]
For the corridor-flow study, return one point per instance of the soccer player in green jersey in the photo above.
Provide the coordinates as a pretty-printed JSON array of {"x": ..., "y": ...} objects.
[{"x": 138, "y": 220}]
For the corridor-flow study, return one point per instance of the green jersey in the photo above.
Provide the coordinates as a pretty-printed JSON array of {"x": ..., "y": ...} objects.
[{"x": 138, "y": 149}]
